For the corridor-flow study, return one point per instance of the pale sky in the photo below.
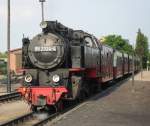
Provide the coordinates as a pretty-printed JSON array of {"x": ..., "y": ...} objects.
[{"x": 98, "y": 17}]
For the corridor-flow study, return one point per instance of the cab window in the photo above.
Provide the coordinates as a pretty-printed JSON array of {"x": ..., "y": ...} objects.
[{"x": 89, "y": 42}]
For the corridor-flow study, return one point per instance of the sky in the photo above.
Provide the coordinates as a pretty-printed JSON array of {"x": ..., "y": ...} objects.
[{"x": 98, "y": 17}]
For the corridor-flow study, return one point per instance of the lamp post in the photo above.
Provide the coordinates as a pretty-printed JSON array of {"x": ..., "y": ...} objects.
[
  {"x": 8, "y": 48},
  {"x": 42, "y": 7}
]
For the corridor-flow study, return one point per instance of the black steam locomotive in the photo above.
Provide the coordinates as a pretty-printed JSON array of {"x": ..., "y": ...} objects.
[{"x": 66, "y": 64}]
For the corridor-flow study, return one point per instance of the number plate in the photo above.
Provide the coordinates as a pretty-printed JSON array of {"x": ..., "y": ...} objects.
[{"x": 45, "y": 49}]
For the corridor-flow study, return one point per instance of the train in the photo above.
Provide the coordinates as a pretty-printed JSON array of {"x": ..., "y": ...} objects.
[{"x": 61, "y": 64}]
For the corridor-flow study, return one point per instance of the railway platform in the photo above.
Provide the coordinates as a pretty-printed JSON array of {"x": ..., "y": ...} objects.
[{"x": 123, "y": 105}]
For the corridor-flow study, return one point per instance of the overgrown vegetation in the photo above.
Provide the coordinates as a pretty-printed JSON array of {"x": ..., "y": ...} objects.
[
  {"x": 3, "y": 68},
  {"x": 3, "y": 65},
  {"x": 3, "y": 55}
]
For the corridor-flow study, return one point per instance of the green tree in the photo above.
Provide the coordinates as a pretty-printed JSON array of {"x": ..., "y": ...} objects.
[
  {"x": 3, "y": 67},
  {"x": 3, "y": 55},
  {"x": 117, "y": 42},
  {"x": 142, "y": 47}
]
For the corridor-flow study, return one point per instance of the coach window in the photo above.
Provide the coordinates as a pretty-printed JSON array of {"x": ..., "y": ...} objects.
[{"x": 88, "y": 41}]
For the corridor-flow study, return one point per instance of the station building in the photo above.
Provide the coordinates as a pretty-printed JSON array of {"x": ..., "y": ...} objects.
[{"x": 16, "y": 61}]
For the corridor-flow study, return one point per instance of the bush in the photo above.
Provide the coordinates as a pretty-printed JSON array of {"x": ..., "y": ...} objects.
[{"x": 3, "y": 69}]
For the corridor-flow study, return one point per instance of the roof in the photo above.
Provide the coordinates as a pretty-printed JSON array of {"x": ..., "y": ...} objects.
[{"x": 17, "y": 49}]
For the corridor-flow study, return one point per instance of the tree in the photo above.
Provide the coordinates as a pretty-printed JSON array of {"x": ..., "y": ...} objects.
[
  {"x": 142, "y": 48},
  {"x": 117, "y": 42},
  {"x": 3, "y": 55}
]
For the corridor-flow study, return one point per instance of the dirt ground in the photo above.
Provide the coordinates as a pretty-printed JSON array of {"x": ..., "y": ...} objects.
[
  {"x": 13, "y": 109},
  {"x": 9, "y": 111},
  {"x": 125, "y": 105}
]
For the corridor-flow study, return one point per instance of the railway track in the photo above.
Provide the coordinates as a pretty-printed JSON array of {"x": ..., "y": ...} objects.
[
  {"x": 31, "y": 119},
  {"x": 18, "y": 120},
  {"x": 8, "y": 97},
  {"x": 35, "y": 119}
]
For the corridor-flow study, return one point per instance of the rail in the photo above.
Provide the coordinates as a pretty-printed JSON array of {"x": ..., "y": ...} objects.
[
  {"x": 8, "y": 97},
  {"x": 18, "y": 120}
]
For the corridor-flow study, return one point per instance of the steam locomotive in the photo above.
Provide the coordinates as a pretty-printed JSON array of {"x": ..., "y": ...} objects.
[{"x": 64, "y": 64}]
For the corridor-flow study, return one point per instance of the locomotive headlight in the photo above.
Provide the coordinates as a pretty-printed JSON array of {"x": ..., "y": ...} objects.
[
  {"x": 43, "y": 24},
  {"x": 56, "y": 78},
  {"x": 28, "y": 78}
]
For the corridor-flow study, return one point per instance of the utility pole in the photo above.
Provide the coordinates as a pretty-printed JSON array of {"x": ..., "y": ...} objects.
[
  {"x": 133, "y": 69},
  {"x": 42, "y": 7},
  {"x": 8, "y": 48},
  {"x": 133, "y": 86},
  {"x": 141, "y": 63}
]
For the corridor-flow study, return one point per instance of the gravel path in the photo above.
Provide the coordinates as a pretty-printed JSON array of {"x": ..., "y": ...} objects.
[{"x": 124, "y": 106}]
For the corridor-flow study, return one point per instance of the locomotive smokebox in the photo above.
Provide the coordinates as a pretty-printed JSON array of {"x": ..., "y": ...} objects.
[{"x": 46, "y": 51}]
